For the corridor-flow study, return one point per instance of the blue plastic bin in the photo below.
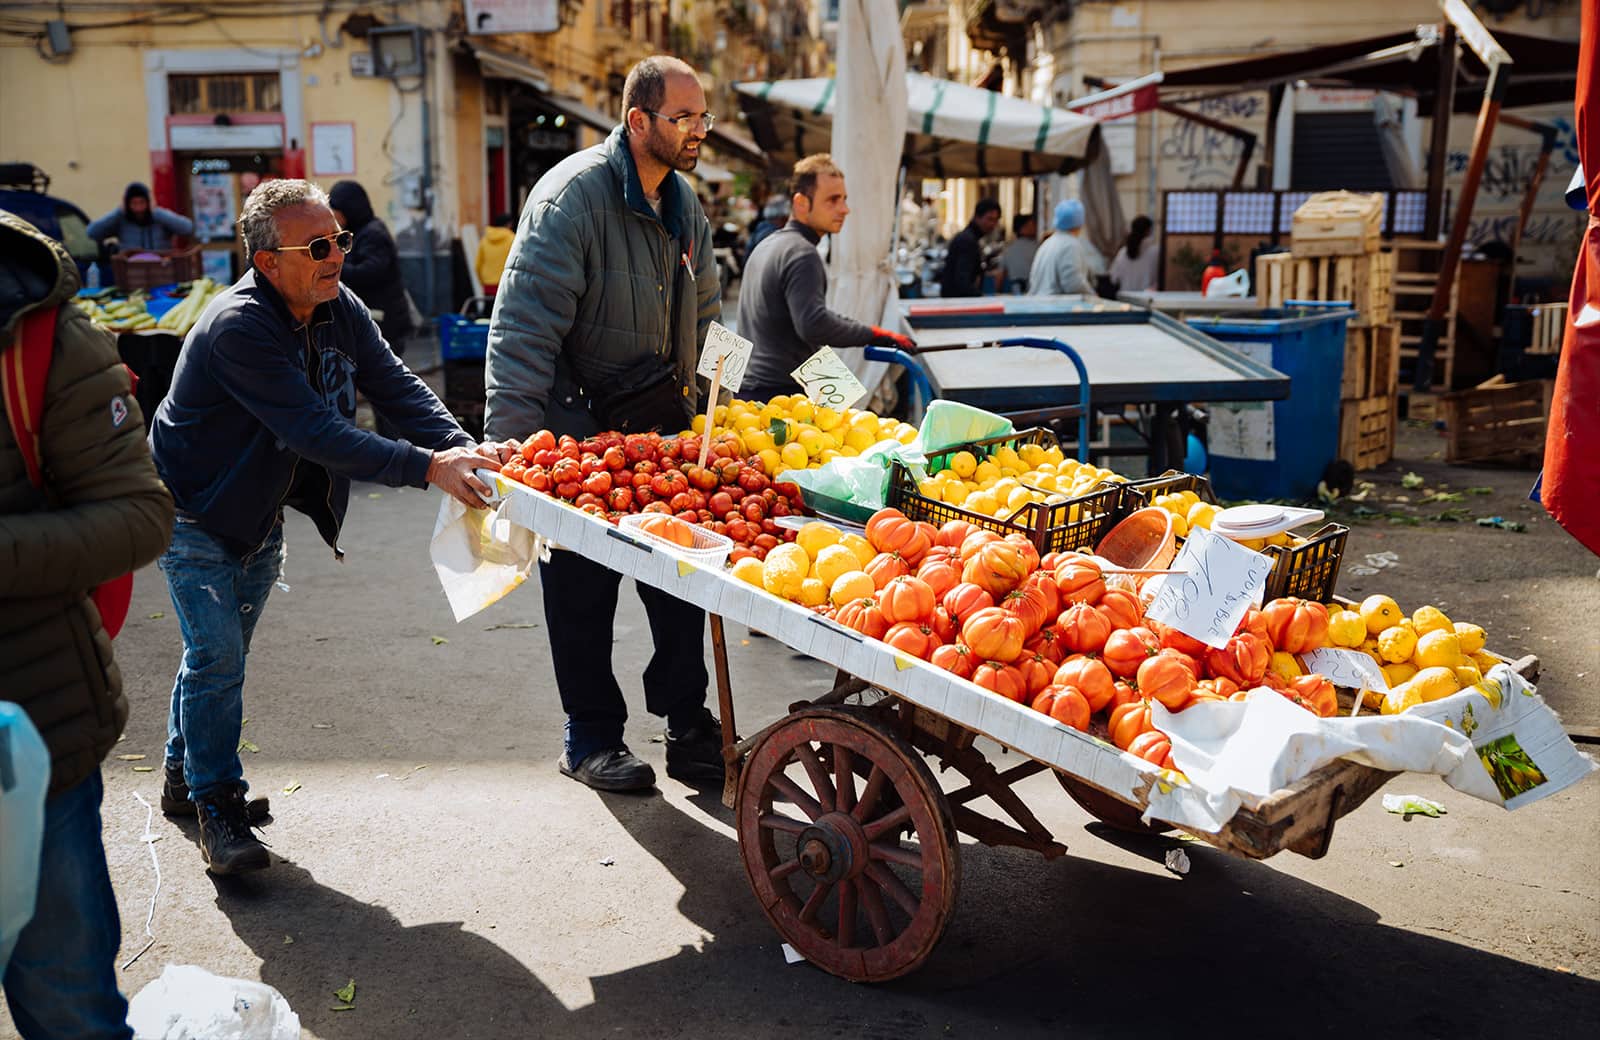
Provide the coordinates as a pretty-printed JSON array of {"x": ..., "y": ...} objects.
[
  {"x": 462, "y": 339},
  {"x": 1307, "y": 345}
]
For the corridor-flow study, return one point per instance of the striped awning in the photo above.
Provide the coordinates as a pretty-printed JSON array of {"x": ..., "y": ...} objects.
[{"x": 952, "y": 130}]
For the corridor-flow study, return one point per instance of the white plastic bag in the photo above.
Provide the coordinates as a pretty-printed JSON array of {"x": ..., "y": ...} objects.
[
  {"x": 1235, "y": 284},
  {"x": 190, "y": 1003}
]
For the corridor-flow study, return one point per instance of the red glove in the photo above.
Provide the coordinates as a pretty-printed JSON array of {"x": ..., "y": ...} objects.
[{"x": 885, "y": 338}]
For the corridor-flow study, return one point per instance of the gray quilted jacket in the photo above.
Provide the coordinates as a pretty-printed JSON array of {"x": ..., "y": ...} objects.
[{"x": 596, "y": 280}]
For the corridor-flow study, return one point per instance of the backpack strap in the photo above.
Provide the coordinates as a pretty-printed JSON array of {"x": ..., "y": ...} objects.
[{"x": 23, "y": 371}]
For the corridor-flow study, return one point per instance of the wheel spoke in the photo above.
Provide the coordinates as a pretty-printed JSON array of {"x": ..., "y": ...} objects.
[
  {"x": 869, "y": 798},
  {"x": 891, "y": 883},
  {"x": 791, "y": 790},
  {"x": 887, "y": 824},
  {"x": 877, "y": 916},
  {"x": 894, "y": 852},
  {"x": 847, "y": 916},
  {"x": 844, "y": 778},
  {"x": 808, "y": 913},
  {"x": 784, "y": 869},
  {"x": 779, "y": 822},
  {"x": 818, "y": 773}
]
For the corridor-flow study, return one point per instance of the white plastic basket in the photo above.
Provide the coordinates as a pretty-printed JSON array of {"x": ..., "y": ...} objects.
[{"x": 710, "y": 548}]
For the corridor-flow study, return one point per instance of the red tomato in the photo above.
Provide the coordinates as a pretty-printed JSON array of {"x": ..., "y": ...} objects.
[
  {"x": 912, "y": 638},
  {"x": 620, "y": 499},
  {"x": 614, "y": 459},
  {"x": 597, "y": 483}
]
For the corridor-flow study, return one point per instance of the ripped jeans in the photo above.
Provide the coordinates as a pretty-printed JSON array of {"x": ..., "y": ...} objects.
[{"x": 218, "y": 597}]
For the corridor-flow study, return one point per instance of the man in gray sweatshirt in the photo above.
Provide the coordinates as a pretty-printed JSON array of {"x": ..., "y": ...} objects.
[{"x": 781, "y": 297}]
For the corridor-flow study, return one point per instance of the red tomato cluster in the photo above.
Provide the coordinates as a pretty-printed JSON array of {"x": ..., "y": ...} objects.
[
  {"x": 612, "y": 474},
  {"x": 1065, "y": 633}
]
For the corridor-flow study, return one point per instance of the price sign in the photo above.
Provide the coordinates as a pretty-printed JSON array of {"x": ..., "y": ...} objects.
[
  {"x": 720, "y": 343},
  {"x": 828, "y": 380},
  {"x": 1350, "y": 668},
  {"x": 1222, "y": 579}
]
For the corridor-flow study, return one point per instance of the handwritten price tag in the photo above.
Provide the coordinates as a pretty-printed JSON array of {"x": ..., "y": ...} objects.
[
  {"x": 1223, "y": 579},
  {"x": 721, "y": 342},
  {"x": 1350, "y": 668},
  {"x": 828, "y": 380}
]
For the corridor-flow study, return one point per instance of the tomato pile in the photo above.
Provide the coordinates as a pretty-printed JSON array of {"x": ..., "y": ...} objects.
[
  {"x": 1064, "y": 633},
  {"x": 612, "y": 474}
]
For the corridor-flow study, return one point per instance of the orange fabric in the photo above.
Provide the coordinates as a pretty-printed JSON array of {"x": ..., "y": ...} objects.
[
  {"x": 24, "y": 370},
  {"x": 1571, "y": 488}
]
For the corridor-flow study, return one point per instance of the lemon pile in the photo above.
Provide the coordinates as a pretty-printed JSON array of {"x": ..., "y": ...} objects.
[
  {"x": 790, "y": 432},
  {"x": 1189, "y": 511},
  {"x": 822, "y": 565},
  {"x": 1424, "y": 657},
  {"x": 1010, "y": 478}
]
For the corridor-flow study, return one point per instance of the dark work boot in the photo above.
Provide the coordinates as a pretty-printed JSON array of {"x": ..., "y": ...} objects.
[
  {"x": 175, "y": 799},
  {"x": 614, "y": 769},
  {"x": 694, "y": 752},
  {"x": 226, "y": 842}
]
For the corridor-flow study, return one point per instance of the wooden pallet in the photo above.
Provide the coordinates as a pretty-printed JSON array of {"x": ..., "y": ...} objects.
[
  {"x": 1495, "y": 420},
  {"x": 1371, "y": 361},
  {"x": 1366, "y": 431},
  {"x": 1413, "y": 294},
  {"x": 1549, "y": 327},
  {"x": 1366, "y": 281}
]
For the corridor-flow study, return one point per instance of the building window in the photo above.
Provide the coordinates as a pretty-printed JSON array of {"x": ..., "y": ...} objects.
[{"x": 224, "y": 92}]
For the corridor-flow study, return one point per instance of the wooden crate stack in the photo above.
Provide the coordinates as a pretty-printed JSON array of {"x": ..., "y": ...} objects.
[
  {"x": 1335, "y": 254},
  {"x": 1496, "y": 421},
  {"x": 1549, "y": 327}
]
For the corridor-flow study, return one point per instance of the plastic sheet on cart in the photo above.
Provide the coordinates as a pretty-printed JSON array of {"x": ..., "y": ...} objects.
[
  {"x": 480, "y": 555},
  {"x": 1498, "y": 741}
]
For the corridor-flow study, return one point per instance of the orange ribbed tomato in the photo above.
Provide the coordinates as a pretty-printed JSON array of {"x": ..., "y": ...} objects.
[
  {"x": 890, "y": 532},
  {"x": 942, "y": 573},
  {"x": 1127, "y": 648},
  {"x": 1130, "y": 720},
  {"x": 1090, "y": 677},
  {"x": 1296, "y": 626},
  {"x": 954, "y": 658},
  {"x": 1000, "y": 678},
  {"x": 1315, "y": 694},
  {"x": 1079, "y": 581},
  {"x": 1065, "y": 704},
  {"x": 886, "y": 567},
  {"x": 1036, "y": 672},
  {"x": 975, "y": 541},
  {"x": 864, "y": 616},
  {"x": 913, "y": 638},
  {"x": 1244, "y": 660},
  {"x": 1153, "y": 746},
  {"x": 953, "y": 533},
  {"x": 1047, "y": 644},
  {"x": 965, "y": 600},
  {"x": 1121, "y": 608},
  {"x": 907, "y": 599},
  {"x": 994, "y": 635},
  {"x": 1166, "y": 679},
  {"x": 997, "y": 568},
  {"x": 1084, "y": 628}
]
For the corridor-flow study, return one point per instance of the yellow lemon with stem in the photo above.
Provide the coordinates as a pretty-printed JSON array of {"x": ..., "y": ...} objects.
[
  {"x": 1345, "y": 628},
  {"x": 964, "y": 464},
  {"x": 851, "y": 586},
  {"x": 1470, "y": 636},
  {"x": 1380, "y": 612},
  {"x": 816, "y": 536},
  {"x": 1438, "y": 649},
  {"x": 1430, "y": 619}
]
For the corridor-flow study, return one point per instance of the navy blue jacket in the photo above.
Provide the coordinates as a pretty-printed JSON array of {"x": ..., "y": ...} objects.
[{"x": 262, "y": 409}]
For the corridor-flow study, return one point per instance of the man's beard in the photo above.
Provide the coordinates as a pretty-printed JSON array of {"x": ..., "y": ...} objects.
[{"x": 660, "y": 149}]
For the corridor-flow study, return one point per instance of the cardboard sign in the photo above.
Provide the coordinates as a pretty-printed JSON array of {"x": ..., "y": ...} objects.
[
  {"x": 721, "y": 342},
  {"x": 1350, "y": 668},
  {"x": 828, "y": 381},
  {"x": 1222, "y": 580}
]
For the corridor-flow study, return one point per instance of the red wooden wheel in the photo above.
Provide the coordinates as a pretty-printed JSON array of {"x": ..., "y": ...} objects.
[
  {"x": 849, "y": 844},
  {"x": 1113, "y": 812}
]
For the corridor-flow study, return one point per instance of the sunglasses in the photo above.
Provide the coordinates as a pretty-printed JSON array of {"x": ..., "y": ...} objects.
[
  {"x": 321, "y": 248},
  {"x": 685, "y": 124}
]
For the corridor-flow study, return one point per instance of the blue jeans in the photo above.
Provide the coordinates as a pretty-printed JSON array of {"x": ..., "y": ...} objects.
[
  {"x": 61, "y": 983},
  {"x": 218, "y": 598}
]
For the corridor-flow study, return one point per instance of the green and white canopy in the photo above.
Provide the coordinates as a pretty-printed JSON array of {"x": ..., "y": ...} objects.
[{"x": 952, "y": 130}]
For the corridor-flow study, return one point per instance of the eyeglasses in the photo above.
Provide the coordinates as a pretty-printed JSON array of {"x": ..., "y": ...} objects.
[
  {"x": 321, "y": 248},
  {"x": 705, "y": 121}
]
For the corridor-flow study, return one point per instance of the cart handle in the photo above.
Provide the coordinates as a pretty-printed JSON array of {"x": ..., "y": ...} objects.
[
  {"x": 1083, "y": 381},
  {"x": 896, "y": 356}
]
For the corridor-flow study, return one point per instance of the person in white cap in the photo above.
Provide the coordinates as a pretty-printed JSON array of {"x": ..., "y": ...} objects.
[{"x": 1060, "y": 266}]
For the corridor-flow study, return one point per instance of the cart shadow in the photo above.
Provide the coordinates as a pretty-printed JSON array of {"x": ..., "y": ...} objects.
[{"x": 1037, "y": 948}]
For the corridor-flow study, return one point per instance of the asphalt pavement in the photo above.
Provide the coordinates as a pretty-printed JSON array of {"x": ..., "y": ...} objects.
[{"x": 427, "y": 849}]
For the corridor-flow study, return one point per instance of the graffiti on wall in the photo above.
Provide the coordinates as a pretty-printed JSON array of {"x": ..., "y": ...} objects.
[
  {"x": 1196, "y": 156},
  {"x": 1562, "y": 230},
  {"x": 1508, "y": 167}
]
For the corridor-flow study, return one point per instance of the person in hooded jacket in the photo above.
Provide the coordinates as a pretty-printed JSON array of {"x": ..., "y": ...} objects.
[
  {"x": 98, "y": 512},
  {"x": 493, "y": 249},
  {"x": 139, "y": 224},
  {"x": 372, "y": 269}
]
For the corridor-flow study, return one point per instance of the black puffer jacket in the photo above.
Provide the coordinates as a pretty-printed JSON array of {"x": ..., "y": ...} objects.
[
  {"x": 104, "y": 512},
  {"x": 372, "y": 270}
]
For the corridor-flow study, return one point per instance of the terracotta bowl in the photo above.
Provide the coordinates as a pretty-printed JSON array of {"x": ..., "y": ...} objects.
[{"x": 1143, "y": 540}]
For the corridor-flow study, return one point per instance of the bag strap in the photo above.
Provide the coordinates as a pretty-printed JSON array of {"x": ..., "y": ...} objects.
[{"x": 23, "y": 372}]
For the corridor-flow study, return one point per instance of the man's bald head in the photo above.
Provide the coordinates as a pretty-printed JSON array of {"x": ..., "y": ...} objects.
[{"x": 646, "y": 86}]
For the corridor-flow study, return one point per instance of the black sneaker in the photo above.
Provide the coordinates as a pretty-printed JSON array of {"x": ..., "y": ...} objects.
[
  {"x": 175, "y": 799},
  {"x": 226, "y": 843},
  {"x": 694, "y": 753},
  {"x": 614, "y": 769}
]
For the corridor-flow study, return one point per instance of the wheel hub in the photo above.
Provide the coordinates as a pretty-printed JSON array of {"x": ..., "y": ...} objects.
[{"x": 833, "y": 848}]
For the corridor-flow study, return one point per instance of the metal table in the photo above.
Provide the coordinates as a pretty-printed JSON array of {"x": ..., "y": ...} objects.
[{"x": 1182, "y": 304}]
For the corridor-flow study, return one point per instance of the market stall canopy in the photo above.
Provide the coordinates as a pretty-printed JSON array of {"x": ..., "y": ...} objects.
[
  {"x": 1542, "y": 70},
  {"x": 951, "y": 130}
]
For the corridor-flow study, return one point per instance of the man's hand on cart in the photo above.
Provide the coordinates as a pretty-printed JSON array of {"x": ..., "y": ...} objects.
[
  {"x": 500, "y": 451},
  {"x": 451, "y": 471},
  {"x": 882, "y": 337}
]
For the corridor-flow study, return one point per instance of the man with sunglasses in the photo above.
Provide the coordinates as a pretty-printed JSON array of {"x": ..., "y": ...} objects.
[
  {"x": 598, "y": 323},
  {"x": 261, "y": 415}
]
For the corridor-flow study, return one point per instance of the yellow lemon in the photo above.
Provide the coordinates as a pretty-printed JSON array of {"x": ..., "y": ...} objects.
[
  {"x": 851, "y": 586},
  {"x": 860, "y": 546},
  {"x": 1345, "y": 628},
  {"x": 1397, "y": 644},
  {"x": 827, "y": 456},
  {"x": 803, "y": 410},
  {"x": 1399, "y": 698},
  {"x": 815, "y": 537},
  {"x": 1380, "y": 612},
  {"x": 1470, "y": 636},
  {"x": 1429, "y": 619},
  {"x": 964, "y": 463},
  {"x": 1031, "y": 454},
  {"x": 983, "y": 502},
  {"x": 1483, "y": 660},
  {"x": 756, "y": 441},
  {"x": 745, "y": 421},
  {"x": 827, "y": 419},
  {"x": 810, "y": 439},
  {"x": 905, "y": 433},
  {"x": 1054, "y": 454},
  {"x": 954, "y": 492},
  {"x": 784, "y": 570},
  {"x": 1395, "y": 674},
  {"x": 1180, "y": 526},
  {"x": 1016, "y": 498},
  {"x": 1438, "y": 648},
  {"x": 832, "y": 561},
  {"x": 749, "y": 570},
  {"x": 1201, "y": 514},
  {"x": 770, "y": 460},
  {"x": 860, "y": 438},
  {"x": 1467, "y": 675},
  {"x": 699, "y": 424},
  {"x": 849, "y": 452},
  {"x": 768, "y": 413},
  {"x": 794, "y": 455},
  {"x": 933, "y": 489},
  {"x": 813, "y": 593},
  {"x": 1285, "y": 666},
  {"x": 985, "y": 470},
  {"x": 1435, "y": 683},
  {"x": 1006, "y": 458}
]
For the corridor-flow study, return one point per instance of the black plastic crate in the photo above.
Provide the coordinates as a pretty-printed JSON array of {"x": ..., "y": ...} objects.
[{"x": 1136, "y": 494}]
